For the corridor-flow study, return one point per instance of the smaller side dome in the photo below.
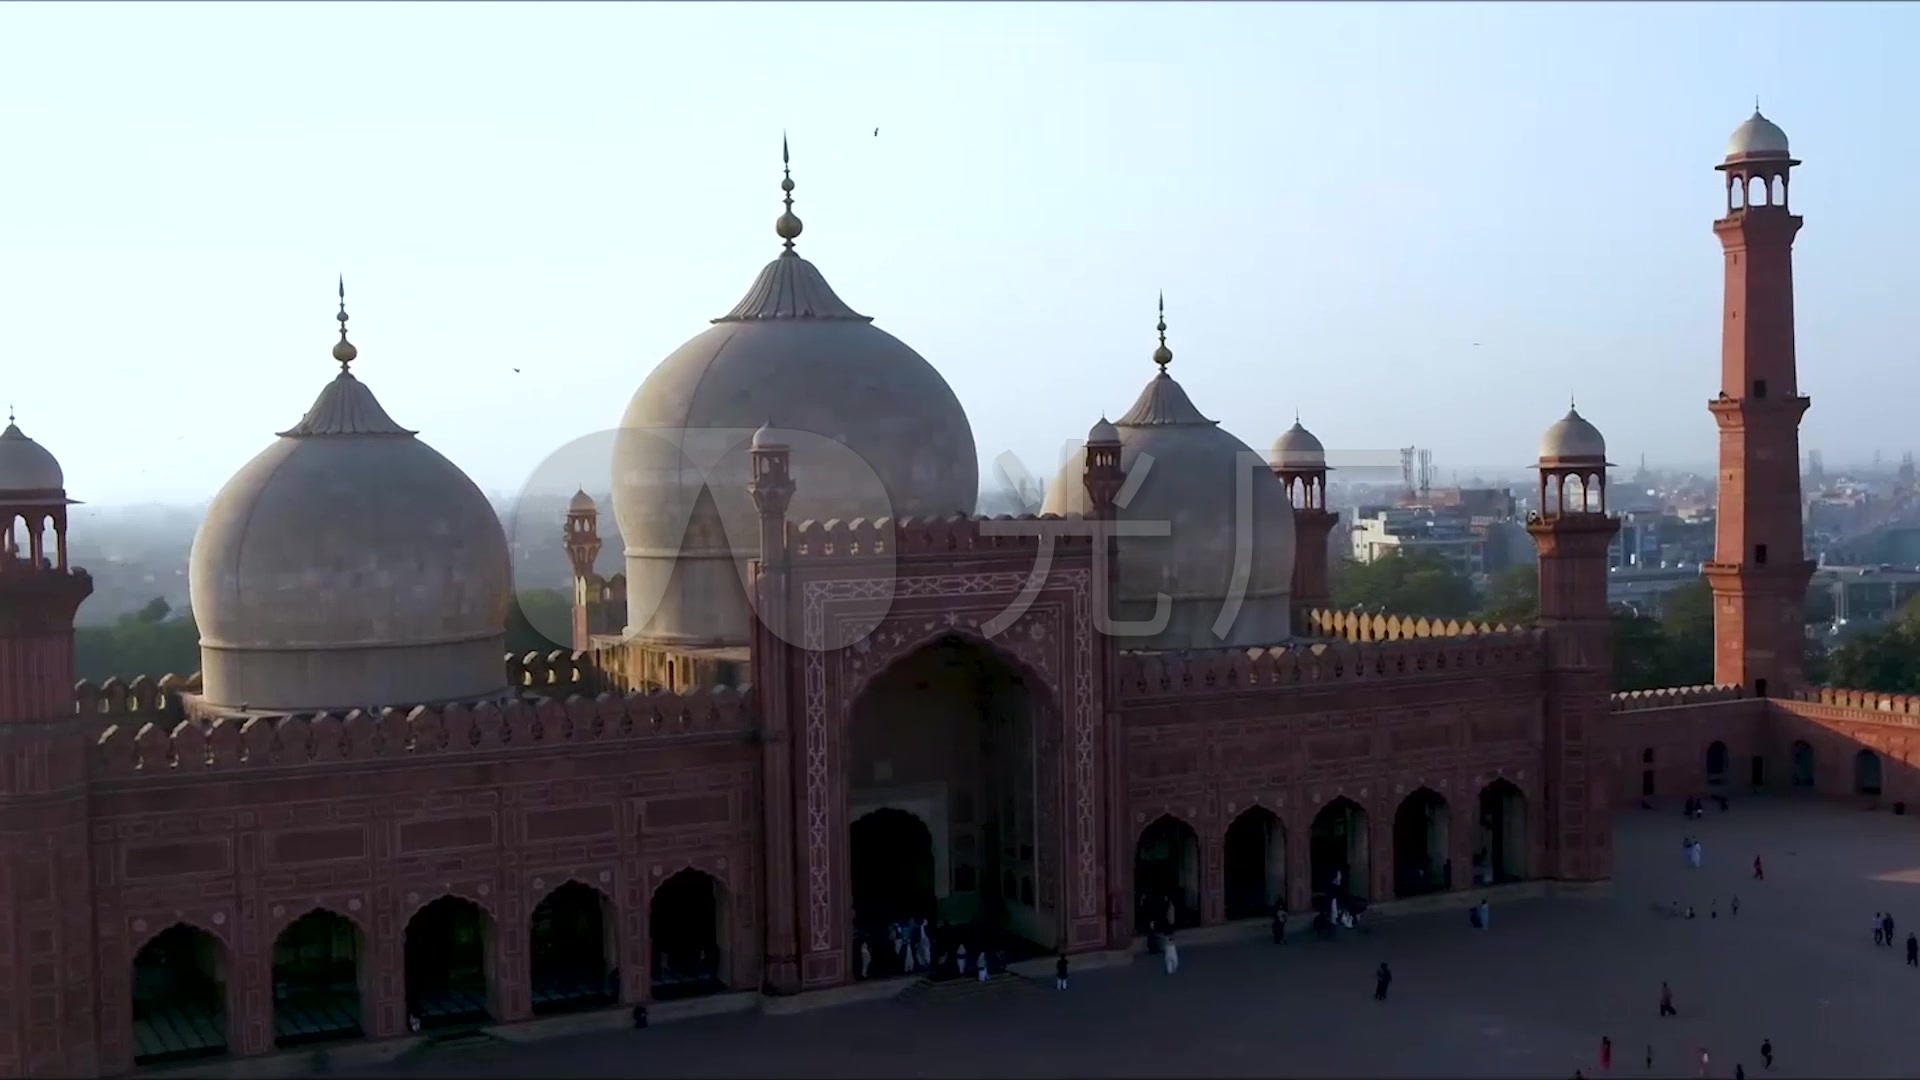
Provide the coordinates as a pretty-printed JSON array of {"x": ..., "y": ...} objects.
[
  {"x": 1572, "y": 441},
  {"x": 1757, "y": 137},
  {"x": 581, "y": 503},
  {"x": 26, "y": 466},
  {"x": 1298, "y": 448},
  {"x": 765, "y": 439},
  {"x": 1103, "y": 433}
]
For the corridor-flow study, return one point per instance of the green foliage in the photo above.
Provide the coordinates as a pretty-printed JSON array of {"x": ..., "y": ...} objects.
[
  {"x": 1885, "y": 661},
  {"x": 535, "y": 613},
  {"x": 1403, "y": 583},
  {"x": 1513, "y": 596},
  {"x": 150, "y": 641}
]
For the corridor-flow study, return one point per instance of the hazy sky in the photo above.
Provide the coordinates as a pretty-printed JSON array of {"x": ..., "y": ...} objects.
[{"x": 1338, "y": 200}]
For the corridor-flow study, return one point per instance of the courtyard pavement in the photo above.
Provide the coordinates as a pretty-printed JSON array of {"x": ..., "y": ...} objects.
[{"x": 1529, "y": 997}]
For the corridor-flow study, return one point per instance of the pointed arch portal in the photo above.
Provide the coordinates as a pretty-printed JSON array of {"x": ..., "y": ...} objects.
[
  {"x": 1338, "y": 847},
  {"x": 1501, "y": 855},
  {"x": 1256, "y": 864},
  {"x": 1802, "y": 764},
  {"x": 316, "y": 981},
  {"x": 1420, "y": 844},
  {"x": 1866, "y": 773},
  {"x": 688, "y": 920},
  {"x": 449, "y": 951},
  {"x": 179, "y": 997},
  {"x": 945, "y": 802},
  {"x": 1166, "y": 871},
  {"x": 570, "y": 951}
]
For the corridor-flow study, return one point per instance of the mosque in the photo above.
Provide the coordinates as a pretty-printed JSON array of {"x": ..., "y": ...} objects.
[{"x": 820, "y": 695}]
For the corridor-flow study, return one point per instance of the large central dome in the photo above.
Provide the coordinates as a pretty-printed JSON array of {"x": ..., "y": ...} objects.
[
  {"x": 892, "y": 441},
  {"x": 1220, "y": 545}
]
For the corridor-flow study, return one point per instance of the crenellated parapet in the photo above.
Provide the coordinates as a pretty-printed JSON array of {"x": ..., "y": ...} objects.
[
  {"x": 872, "y": 537},
  {"x": 1361, "y": 626},
  {"x": 559, "y": 673},
  {"x": 1674, "y": 696},
  {"x": 1866, "y": 700},
  {"x": 144, "y": 697},
  {"x": 363, "y": 737},
  {"x": 1323, "y": 663}
]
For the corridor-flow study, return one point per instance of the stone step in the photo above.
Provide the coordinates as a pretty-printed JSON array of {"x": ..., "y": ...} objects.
[{"x": 931, "y": 991}]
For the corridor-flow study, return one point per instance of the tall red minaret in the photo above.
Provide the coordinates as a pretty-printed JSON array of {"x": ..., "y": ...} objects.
[
  {"x": 1300, "y": 464},
  {"x": 1759, "y": 573},
  {"x": 46, "y": 890},
  {"x": 1572, "y": 531},
  {"x": 583, "y": 549}
]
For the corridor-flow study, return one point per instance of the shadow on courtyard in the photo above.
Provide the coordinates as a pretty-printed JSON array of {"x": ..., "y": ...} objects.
[{"x": 1530, "y": 996}]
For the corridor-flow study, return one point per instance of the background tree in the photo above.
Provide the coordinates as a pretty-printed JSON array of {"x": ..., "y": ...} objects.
[
  {"x": 1886, "y": 661},
  {"x": 1403, "y": 583},
  {"x": 151, "y": 641},
  {"x": 1512, "y": 596},
  {"x": 534, "y": 616}
]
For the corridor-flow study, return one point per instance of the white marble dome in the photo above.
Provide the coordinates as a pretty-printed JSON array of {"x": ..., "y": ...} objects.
[
  {"x": 1572, "y": 441},
  {"x": 1757, "y": 136},
  {"x": 793, "y": 356},
  {"x": 1193, "y": 483},
  {"x": 26, "y": 466},
  {"x": 349, "y": 565},
  {"x": 1298, "y": 448}
]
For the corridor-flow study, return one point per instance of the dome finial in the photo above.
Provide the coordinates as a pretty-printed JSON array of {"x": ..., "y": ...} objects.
[
  {"x": 788, "y": 225},
  {"x": 343, "y": 349},
  {"x": 1163, "y": 355}
]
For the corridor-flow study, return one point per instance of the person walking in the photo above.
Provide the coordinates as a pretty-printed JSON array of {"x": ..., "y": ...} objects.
[
  {"x": 1886, "y": 923},
  {"x": 1913, "y": 950},
  {"x": 1606, "y": 1053},
  {"x": 1703, "y": 1061},
  {"x": 1734, "y": 907},
  {"x": 1382, "y": 979},
  {"x": 1666, "y": 1000},
  {"x": 1759, "y": 872},
  {"x": 1171, "y": 953},
  {"x": 1060, "y": 972},
  {"x": 866, "y": 958},
  {"x": 1649, "y": 1057},
  {"x": 1766, "y": 1052},
  {"x": 1879, "y": 929}
]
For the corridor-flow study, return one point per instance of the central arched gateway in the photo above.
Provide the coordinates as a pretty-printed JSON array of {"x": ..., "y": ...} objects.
[{"x": 946, "y": 799}]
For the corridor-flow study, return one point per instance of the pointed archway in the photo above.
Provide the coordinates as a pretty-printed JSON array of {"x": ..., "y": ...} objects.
[
  {"x": 179, "y": 997},
  {"x": 1256, "y": 864},
  {"x": 688, "y": 920},
  {"x": 1338, "y": 850},
  {"x": 1866, "y": 773},
  {"x": 571, "y": 951},
  {"x": 317, "y": 991},
  {"x": 945, "y": 800},
  {"x": 1716, "y": 764},
  {"x": 1166, "y": 875},
  {"x": 1802, "y": 755},
  {"x": 449, "y": 965},
  {"x": 1501, "y": 855},
  {"x": 1420, "y": 844}
]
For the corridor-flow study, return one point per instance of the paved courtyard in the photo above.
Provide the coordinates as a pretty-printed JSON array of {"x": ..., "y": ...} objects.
[{"x": 1531, "y": 997}]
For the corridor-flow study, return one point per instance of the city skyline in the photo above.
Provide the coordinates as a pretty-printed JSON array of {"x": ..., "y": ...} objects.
[{"x": 1398, "y": 211}]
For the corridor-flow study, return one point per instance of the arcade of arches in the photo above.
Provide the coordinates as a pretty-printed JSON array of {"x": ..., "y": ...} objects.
[
  {"x": 945, "y": 788},
  {"x": 320, "y": 977}
]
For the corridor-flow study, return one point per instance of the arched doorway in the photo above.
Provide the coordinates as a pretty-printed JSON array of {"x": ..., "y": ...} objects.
[
  {"x": 1166, "y": 871},
  {"x": 1866, "y": 773},
  {"x": 1420, "y": 844},
  {"x": 571, "y": 954},
  {"x": 316, "y": 980},
  {"x": 1716, "y": 764},
  {"x": 1501, "y": 855},
  {"x": 1338, "y": 850},
  {"x": 1802, "y": 764},
  {"x": 688, "y": 919},
  {"x": 945, "y": 790},
  {"x": 1256, "y": 864},
  {"x": 179, "y": 997},
  {"x": 449, "y": 964}
]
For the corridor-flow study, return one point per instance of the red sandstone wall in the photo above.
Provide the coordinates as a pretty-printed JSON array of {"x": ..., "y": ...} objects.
[
  {"x": 1668, "y": 733},
  {"x": 1206, "y": 737},
  {"x": 1838, "y": 725},
  {"x": 241, "y": 828}
]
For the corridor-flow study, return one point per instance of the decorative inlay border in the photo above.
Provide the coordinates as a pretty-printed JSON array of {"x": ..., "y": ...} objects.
[{"x": 817, "y": 595}]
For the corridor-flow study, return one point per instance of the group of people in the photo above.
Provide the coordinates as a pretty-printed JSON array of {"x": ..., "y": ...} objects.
[
  {"x": 915, "y": 947},
  {"x": 1883, "y": 935}
]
